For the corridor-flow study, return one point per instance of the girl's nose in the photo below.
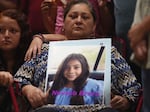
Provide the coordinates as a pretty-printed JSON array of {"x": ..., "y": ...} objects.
[
  {"x": 6, "y": 32},
  {"x": 71, "y": 70}
]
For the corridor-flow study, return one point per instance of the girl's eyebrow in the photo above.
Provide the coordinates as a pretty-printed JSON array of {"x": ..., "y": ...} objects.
[{"x": 77, "y": 65}]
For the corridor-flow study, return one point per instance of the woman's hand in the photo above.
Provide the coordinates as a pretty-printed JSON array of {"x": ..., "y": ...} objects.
[
  {"x": 6, "y": 78},
  {"x": 120, "y": 103},
  {"x": 35, "y": 96}
]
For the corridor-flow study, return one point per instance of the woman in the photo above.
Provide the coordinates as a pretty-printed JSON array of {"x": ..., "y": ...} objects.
[
  {"x": 79, "y": 23},
  {"x": 53, "y": 13},
  {"x": 14, "y": 41}
]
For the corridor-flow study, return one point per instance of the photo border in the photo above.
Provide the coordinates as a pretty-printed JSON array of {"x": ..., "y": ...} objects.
[{"x": 106, "y": 42}]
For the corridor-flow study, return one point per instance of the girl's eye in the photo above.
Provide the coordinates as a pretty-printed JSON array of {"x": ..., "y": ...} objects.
[
  {"x": 2, "y": 30},
  {"x": 14, "y": 31},
  {"x": 67, "y": 67},
  {"x": 11, "y": 30},
  {"x": 76, "y": 67}
]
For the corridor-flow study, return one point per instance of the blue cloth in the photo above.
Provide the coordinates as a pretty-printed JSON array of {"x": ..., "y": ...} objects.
[{"x": 92, "y": 93}]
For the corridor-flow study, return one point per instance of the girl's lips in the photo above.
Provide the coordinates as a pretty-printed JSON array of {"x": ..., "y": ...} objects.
[
  {"x": 70, "y": 76},
  {"x": 6, "y": 42}
]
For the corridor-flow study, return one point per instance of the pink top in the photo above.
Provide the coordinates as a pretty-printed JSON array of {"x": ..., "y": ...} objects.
[{"x": 59, "y": 20}]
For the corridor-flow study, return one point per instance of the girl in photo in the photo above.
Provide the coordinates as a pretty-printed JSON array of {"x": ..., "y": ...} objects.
[{"x": 72, "y": 85}]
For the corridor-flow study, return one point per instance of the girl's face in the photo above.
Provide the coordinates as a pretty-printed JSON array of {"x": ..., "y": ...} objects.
[
  {"x": 79, "y": 22},
  {"x": 73, "y": 70},
  {"x": 9, "y": 33}
]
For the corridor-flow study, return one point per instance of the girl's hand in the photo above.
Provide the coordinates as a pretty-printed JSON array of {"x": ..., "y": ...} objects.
[
  {"x": 6, "y": 79},
  {"x": 36, "y": 44},
  {"x": 34, "y": 48},
  {"x": 35, "y": 96},
  {"x": 120, "y": 103}
]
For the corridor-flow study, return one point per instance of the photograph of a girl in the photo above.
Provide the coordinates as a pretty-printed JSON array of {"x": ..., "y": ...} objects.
[{"x": 72, "y": 85}]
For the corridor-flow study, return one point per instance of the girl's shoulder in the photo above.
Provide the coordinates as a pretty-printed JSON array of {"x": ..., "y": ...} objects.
[
  {"x": 94, "y": 85},
  {"x": 94, "y": 82}
]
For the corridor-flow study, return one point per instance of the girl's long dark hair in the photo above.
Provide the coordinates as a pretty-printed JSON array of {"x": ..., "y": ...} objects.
[
  {"x": 60, "y": 81},
  {"x": 24, "y": 40}
]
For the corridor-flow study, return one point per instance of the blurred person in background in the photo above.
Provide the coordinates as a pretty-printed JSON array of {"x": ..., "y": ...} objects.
[
  {"x": 7, "y": 4},
  {"x": 32, "y": 10},
  {"x": 139, "y": 35},
  {"x": 124, "y": 14}
]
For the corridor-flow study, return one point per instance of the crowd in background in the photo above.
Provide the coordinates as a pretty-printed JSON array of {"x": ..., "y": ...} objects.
[{"x": 114, "y": 19}]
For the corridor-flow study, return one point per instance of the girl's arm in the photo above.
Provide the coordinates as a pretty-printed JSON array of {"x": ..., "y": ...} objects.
[{"x": 36, "y": 44}]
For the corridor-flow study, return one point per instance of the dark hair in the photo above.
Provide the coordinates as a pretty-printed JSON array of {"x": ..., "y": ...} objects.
[
  {"x": 25, "y": 38},
  {"x": 7, "y": 4},
  {"x": 74, "y": 2},
  {"x": 60, "y": 80}
]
